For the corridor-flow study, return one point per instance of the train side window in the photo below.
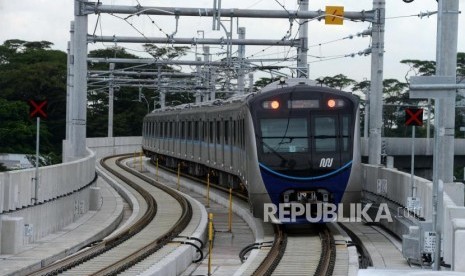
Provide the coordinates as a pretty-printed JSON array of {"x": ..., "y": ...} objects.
[
  {"x": 165, "y": 129},
  {"x": 176, "y": 131},
  {"x": 218, "y": 131},
  {"x": 234, "y": 141},
  {"x": 172, "y": 129},
  {"x": 325, "y": 133},
  {"x": 211, "y": 132},
  {"x": 196, "y": 131},
  {"x": 189, "y": 130},
  {"x": 205, "y": 131},
  {"x": 241, "y": 133},
  {"x": 226, "y": 132},
  {"x": 183, "y": 130}
]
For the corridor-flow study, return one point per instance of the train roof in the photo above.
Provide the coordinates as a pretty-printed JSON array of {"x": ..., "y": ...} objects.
[{"x": 283, "y": 83}]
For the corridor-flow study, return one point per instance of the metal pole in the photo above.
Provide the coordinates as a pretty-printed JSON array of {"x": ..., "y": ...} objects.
[
  {"x": 161, "y": 90},
  {"x": 230, "y": 211},
  {"x": 366, "y": 115},
  {"x": 36, "y": 188},
  {"x": 196, "y": 12},
  {"x": 412, "y": 166},
  {"x": 212, "y": 79},
  {"x": 376, "y": 86},
  {"x": 69, "y": 143},
  {"x": 241, "y": 55},
  {"x": 189, "y": 41},
  {"x": 210, "y": 242},
  {"x": 199, "y": 94},
  {"x": 179, "y": 175},
  {"x": 80, "y": 79},
  {"x": 302, "y": 65},
  {"x": 446, "y": 62},
  {"x": 208, "y": 190},
  {"x": 157, "y": 170},
  {"x": 68, "y": 87},
  {"x": 428, "y": 128},
  {"x": 111, "y": 101},
  {"x": 251, "y": 82}
]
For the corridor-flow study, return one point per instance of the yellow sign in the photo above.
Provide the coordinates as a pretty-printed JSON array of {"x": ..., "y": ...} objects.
[{"x": 334, "y": 15}]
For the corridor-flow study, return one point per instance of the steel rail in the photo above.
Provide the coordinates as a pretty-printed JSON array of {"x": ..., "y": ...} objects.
[
  {"x": 328, "y": 253},
  {"x": 101, "y": 247},
  {"x": 275, "y": 254}
]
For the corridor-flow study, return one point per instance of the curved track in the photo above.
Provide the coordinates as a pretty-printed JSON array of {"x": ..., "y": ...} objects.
[
  {"x": 308, "y": 252},
  {"x": 165, "y": 214}
]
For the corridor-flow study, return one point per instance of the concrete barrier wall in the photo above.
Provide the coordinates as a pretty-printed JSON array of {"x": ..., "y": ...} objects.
[
  {"x": 47, "y": 218},
  {"x": 394, "y": 185},
  {"x": 114, "y": 145},
  {"x": 18, "y": 187},
  {"x": 403, "y": 146},
  {"x": 61, "y": 197}
]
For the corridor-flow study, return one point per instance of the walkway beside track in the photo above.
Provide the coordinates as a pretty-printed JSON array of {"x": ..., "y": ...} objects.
[{"x": 93, "y": 226}]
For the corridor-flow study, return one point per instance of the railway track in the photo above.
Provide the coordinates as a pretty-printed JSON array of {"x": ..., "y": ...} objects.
[
  {"x": 165, "y": 213},
  {"x": 300, "y": 252},
  {"x": 308, "y": 252}
]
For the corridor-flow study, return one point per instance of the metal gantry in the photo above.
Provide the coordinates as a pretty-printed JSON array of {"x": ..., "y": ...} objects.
[{"x": 75, "y": 142}]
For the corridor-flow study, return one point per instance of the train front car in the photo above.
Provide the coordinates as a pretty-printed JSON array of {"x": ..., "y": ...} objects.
[{"x": 305, "y": 137}]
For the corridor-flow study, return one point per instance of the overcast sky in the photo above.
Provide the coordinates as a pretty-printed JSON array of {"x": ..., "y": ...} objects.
[{"x": 405, "y": 37}]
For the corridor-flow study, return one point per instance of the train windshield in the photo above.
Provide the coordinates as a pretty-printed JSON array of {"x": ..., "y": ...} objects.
[
  {"x": 284, "y": 135},
  {"x": 305, "y": 146}
]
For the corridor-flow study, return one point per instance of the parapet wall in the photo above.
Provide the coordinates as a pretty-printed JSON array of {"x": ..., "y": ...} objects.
[
  {"x": 17, "y": 188},
  {"x": 63, "y": 197},
  {"x": 385, "y": 185},
  {"x": 106, "y": 146}
]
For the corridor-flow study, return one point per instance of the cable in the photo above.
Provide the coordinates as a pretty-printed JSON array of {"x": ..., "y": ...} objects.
[{"x": 421, "y": 15}]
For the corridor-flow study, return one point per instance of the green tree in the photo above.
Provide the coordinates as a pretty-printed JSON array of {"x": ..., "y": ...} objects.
[
  {"x": 262, "y": 82},
  {"x": 428, "y": 68},
  {"x": 338, "y": 81},
  {"x": 32, "y": 70}
]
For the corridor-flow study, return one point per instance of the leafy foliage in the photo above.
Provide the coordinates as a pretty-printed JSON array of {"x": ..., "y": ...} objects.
[
  {"x": 339, "y": 81},
  {"x": 31, "y": 70}
]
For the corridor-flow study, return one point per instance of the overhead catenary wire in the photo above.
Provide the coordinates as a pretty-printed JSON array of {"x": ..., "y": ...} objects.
[{"x": 288, "y": 55}]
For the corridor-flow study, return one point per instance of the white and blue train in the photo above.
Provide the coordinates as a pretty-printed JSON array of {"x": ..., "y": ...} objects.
[{"x": 291, "y": 142}]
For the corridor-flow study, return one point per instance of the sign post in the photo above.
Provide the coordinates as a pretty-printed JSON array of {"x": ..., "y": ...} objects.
[
  {"x": 37, "y": 109},
  {"x": 413, "y": 117}
]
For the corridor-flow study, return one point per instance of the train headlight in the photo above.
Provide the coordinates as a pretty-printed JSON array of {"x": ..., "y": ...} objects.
[
  {"x": 332, "y": 103},
  {"x": 271, "y": 104}
]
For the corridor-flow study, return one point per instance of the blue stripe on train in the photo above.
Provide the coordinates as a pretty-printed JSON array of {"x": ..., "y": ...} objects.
[{"x": 334, "y": 182}]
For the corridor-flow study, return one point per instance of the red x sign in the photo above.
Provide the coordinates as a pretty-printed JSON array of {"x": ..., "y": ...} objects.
[
  {"x": 413, "y": 116},
  {"x": 38, "y": 109}
]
